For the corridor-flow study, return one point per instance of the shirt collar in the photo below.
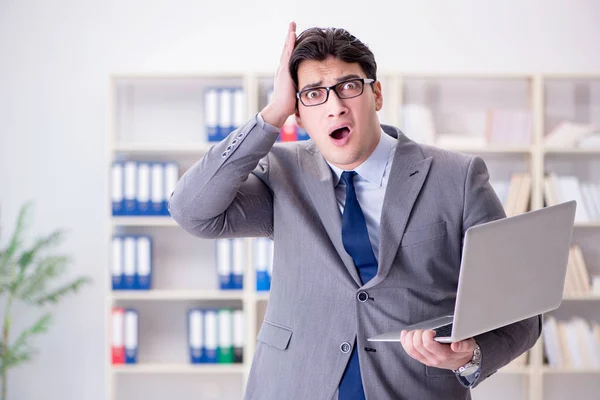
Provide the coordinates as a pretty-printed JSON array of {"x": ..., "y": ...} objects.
[{"x": 373, "y": 168}]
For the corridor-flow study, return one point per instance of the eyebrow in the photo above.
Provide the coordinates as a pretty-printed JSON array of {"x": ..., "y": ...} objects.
[{"x": 320, "y": 83}]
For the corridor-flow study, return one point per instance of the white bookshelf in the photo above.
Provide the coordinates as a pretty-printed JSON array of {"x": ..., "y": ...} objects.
[
  {"x": 177, "y": 295},
  {"x": 144, "y": 221},
  {"x": 159, "y": 117},
  {"x": 164, "y": 368},
  {"x": 194, "y": 148},
  {"x": 552, "y": 371}
]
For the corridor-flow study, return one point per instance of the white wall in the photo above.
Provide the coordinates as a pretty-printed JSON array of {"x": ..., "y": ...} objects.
[{"x": 56, "y": 56}]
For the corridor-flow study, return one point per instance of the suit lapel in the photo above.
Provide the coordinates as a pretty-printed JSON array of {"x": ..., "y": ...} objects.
[
  {"x": 319, "y": 183},
  {"x": 407, "y": 177}
]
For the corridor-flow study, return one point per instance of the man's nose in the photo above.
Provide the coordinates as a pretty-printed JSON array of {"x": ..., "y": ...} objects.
[{"x": 335, "y": 106}]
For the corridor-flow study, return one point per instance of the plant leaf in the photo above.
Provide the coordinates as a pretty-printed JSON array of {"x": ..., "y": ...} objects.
[
  {"x": 51, "y": 240},
  {"x": 21, "y": 350},
  {"x": 28, "y": 257},
  {"x": 16, "y": 241},
  {"x": 56, "y": 295},
  {"x": 36, "y": 282}
]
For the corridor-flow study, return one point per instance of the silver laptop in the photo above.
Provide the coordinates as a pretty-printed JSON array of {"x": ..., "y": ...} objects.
[{"x": 511, "y": 269}]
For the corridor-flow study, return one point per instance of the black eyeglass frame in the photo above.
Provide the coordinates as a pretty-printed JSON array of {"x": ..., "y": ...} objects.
[{"x": 363, "y": 81}]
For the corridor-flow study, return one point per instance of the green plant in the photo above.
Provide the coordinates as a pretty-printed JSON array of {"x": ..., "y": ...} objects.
[{"x": 26, "y": 275}]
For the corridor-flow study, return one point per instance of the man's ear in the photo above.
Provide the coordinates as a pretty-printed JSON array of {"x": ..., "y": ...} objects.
[
  {"x": 378, "y": 95},
  {"x": 298, "y": 119}
]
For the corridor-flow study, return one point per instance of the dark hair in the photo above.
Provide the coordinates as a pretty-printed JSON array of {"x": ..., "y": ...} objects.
[{"x": 320, "y": 43}]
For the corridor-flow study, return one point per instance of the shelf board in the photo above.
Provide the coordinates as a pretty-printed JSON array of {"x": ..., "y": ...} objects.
[
  {"x": 160, "y": 368},
  {"x": 572, "y": 76},
  {"x": 569, "y": 370},
  {"x": 464, "y": 75},
  {"x": 581, "y": 297},
  {"x": 147, "y": 76},
  {"x": 152, "y": 295},
  {"x": 572, "y": 150},
  {"x": 144, "y": 221},
  {"x": 510, "y": 369},
  {"x": 488, "y": 149},
  {"x": 163, "y": 148},
  {"x": 591, "y": 224},
  {"x": 262, "y": 296}
]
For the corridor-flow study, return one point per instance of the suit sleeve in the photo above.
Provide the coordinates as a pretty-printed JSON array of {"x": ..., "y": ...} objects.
[
  {"x": 498, "y": 347},
  {"x": 226, "y": 193}
]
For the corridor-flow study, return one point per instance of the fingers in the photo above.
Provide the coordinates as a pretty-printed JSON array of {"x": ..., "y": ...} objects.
[
  {"x": 421, "y": 346},
  {"x": 418, "y": 345},
  {"x": 290, "y": 40},
  {"x": 283, "y": 101},
  {"x": 464, "y": 346}
]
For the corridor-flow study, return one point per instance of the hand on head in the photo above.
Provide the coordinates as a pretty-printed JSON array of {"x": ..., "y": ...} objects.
[{"x": 283, "y": 102}]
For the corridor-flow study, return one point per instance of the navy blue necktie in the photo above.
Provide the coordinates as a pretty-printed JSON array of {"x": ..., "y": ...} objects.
[{"x": 355, "y": 238}]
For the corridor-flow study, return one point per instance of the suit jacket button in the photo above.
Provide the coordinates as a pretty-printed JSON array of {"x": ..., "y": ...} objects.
[
  {"x": 362, "y": 296},
  {"x": 345, "y": 347}
]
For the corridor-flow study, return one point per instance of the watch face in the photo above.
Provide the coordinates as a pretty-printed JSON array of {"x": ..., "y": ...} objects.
[{"x": 470, "y": 370}]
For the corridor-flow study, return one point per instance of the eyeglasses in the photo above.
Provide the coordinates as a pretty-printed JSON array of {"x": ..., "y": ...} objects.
[{"x": 344, "y": 90}]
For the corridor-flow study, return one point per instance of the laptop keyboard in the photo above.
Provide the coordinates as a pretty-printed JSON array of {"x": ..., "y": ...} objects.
[{"x": 443, "y": 331}]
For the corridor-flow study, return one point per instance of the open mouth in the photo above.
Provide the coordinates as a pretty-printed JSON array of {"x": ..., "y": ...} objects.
[{"x": 340, "y": 133}]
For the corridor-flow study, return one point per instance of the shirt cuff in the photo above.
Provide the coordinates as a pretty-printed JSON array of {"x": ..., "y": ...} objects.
[
  {"x": 469, "y": 380},
  {"x": 266, "y": 126}
]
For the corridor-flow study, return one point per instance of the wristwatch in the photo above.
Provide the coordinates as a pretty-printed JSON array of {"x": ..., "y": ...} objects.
[{"x": 472, "y": 366}]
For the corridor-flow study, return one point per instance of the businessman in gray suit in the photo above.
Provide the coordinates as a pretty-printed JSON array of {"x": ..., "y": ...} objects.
[{"x": 368, "y": 229}]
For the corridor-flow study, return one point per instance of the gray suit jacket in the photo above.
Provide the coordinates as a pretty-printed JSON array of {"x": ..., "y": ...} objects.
[{"x": 246, "y": 186}]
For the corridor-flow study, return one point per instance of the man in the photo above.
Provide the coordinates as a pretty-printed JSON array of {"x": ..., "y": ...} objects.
[{"x": 368, "y": 229}]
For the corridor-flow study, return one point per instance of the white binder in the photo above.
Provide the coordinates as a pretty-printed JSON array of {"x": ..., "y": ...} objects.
[
  {"x": 143, "y": 188},
  {"x": 239, "y": 108},
  {"x": 131, "y": 336},
  {"x": 238, "y": 336},
  {"x": 211, "y": 335},
  {"x": 117, "y": 337},
  {"x": 130, "y": 194},
  {"x": 225, "y": 336},
  {"x": 224, "y": 262},
  {"x": 129, "y": 265},
  {"x": 157, "y": 188},
  {"x": 171, "y": 178},
  {"x": 211, "y": 114},
  {"x": 196, "y": 335},
  {"x": 225, "y": 112},
  {"x": 238, "y": 264},
  {"x": 117, "y": 183},
  {"x": 117, "y": 267},
  {"x": 144, "y": 263}
]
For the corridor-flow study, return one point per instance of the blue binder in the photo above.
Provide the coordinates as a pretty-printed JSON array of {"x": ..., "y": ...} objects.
[
  {"x": 239, "y": 108},
  {"x": 302, "y": 134},
  {"x": 171, "y": 178},
  {"x": 225, "y": 113},
  {"x": 117, "y": 267},
  {"x": 211, "y": 114},
  {"x": 157, "y": 188},
  {"x": 211, "y": 336},
  {"x": 224, "y": 256},
  {"x": 131, "y": 336},
  {"x": 129, "y": 262},
  {"x": 238, "y": 264},
  {"x": 130, "y": 192},
  {"x": 143, "y": 188},
  {"x": 143, "y": 263},
  {"x": 118, "y": 188},
  {"x": 195, "y": 329},
  {"x": 263, "y": 255}
]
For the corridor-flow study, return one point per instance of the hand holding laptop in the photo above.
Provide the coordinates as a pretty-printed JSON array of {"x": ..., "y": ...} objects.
[{"x": 419, "y": 344}]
